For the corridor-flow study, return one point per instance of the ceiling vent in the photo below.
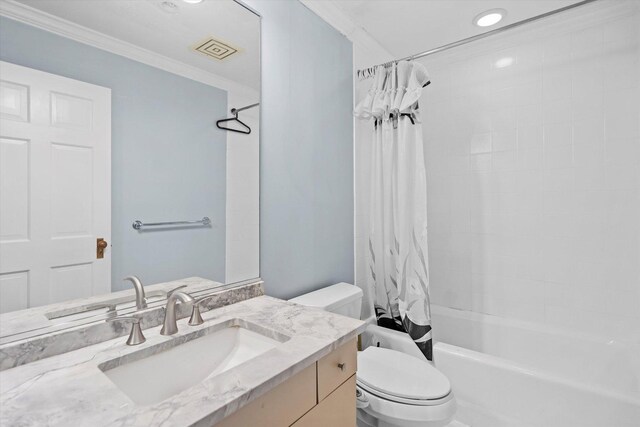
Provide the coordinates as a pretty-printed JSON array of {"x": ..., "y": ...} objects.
[{"x": 215, "y": 48}]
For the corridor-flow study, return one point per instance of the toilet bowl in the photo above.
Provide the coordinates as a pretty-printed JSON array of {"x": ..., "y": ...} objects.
[
  {"x": 399, "y": 390},
  {"x": 394, "y": 389}
]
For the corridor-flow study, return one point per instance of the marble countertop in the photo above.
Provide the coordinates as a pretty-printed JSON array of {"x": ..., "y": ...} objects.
[
  {"x": 70, "y": 389},
  {"x": 16, "y": 350}
]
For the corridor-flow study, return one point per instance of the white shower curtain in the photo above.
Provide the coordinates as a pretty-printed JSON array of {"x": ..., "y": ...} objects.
[{"x": 397, "y": 235}]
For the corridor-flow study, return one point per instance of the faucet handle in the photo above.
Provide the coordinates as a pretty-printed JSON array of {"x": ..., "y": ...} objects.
[
  {"x": 196, "y": 317},
  {"x": 135, "y": 336}
]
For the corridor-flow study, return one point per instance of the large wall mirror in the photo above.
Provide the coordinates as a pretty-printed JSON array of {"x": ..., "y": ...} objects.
[{"x": 113, "y": 160}]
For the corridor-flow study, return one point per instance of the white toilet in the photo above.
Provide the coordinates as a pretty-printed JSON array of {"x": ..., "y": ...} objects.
[{"x": 394, "y": 389}]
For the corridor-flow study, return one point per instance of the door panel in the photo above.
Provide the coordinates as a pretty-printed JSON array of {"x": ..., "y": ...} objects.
[
  {"x": 14, "y": 101},
  {"x": 55, "y": 183},
  {"x": 14, "y": 291},
  {"x": 14, "y": 193},
  {"x": 71, "y": 191}
]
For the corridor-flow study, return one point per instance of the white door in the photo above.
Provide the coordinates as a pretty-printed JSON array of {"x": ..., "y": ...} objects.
[{"x": 55, "y": 188}]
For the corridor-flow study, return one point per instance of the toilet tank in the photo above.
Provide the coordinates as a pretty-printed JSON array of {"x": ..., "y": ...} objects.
[{"x": 341, "y": 298}]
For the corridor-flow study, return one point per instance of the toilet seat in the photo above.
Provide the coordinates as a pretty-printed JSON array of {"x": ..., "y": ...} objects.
[
  {"x": 401, "y": 378},
  {"x": 403, "y": 401}
]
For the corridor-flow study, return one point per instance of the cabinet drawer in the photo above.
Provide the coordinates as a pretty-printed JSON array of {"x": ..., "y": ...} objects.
[
  {"x": 279, "y": 407},
  {"x": 337, "y": 410},
  {"x": 335, "y": 368}
]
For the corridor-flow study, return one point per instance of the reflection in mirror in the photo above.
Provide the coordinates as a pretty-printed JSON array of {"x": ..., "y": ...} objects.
[{"x": 111, "y": 161}]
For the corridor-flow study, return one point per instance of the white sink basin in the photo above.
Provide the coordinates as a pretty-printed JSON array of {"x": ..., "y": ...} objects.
[{"x": 157, "y": 373}]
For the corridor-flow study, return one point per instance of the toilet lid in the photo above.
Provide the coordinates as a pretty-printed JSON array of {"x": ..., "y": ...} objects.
[{"x": 393, "y": 373}]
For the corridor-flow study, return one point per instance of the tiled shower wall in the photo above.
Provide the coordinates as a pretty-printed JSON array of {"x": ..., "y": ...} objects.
[{"x": 533, "y": 156}]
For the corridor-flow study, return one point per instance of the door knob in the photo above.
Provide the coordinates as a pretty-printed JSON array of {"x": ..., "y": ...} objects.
[{"x": 101, "y": 245}]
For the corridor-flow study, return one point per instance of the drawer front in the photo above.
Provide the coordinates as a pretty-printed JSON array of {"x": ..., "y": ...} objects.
[
  {"x": 279, "y": 407},
  {"x": 335, "y": 368},
  {"x": 337, "y": 410}
]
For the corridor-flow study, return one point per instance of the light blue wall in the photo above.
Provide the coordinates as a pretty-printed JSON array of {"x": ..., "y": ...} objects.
[
  {"x": 306, "y": 151},
  {"x": 168, "y": 158}
]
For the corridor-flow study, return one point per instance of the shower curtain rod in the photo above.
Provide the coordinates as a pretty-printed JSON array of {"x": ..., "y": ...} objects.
[{"x": 368, "y": 72}]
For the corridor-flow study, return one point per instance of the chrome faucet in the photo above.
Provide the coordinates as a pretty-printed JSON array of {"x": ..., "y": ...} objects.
[
  {"x": 141, "y": 300},
  {"x": 170, "y": 326}
]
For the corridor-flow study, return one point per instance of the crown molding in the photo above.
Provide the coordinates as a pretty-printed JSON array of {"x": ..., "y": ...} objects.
[
  {"x": 334, "y": 16},
  {"x": 56, "y": 25}
]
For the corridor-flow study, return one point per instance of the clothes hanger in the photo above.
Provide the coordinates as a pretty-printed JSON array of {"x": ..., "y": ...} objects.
[{"x": 247, "y": 129}]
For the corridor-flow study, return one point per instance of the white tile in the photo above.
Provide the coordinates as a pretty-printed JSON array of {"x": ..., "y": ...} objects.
[
  {"x": 505, "y": 96},
  {"x": 622, "y": 150},
  {"x": 622, "y": 70},
  {"x": 587, "y": 106},
  {"x": 504, "y": 161},
  {"x": 558, "y": 180},
  {"x": 623, "y": 32},
  {"x": 481, "y": 162},
  {"x": 620, "y": 101},
  {"x": 589, "y": 177},
  {"x": 558, "y": 202},
  {"x": 557, "y": 47},
  {"x": 556, "y": 83},
  {"x": 557, "y": 110},
  {"x": 530, "y": 114},
  {"x": 588, "y": 155},
  {"x": 588, "y": 132},
  {"x": 530, "y": 159},
  {"x": 587, "y": 43},
  {"x": 503, "y": 118},
  {"x": 529, "y": 92},
  {"x": 457, "y": 165},
  {"x": 590, "y": 201},
  {"x": 587, "y": 76},
  {"x": 625, "y": 124},
  {"x": 506, "y": 181},
  {"x": 531, "y": 201},
  {"x": 481, "y": 143},
  {"x": 529, "y": 181},
  {"x": 621, "y": 176},
  {"x": 458, "y": 146},
  {"x": 540, "y": 214},
  {"x": 558, "y": 157},
  {"x": 530, "y": 137},
  {"x": 503, "y": 140},
  {"x": 557, "y": 135}
]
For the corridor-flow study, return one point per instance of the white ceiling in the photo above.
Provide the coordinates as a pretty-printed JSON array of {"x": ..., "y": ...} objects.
[
  {"x": 406, "y": 27},
  {"x": 145, "y": 24}
]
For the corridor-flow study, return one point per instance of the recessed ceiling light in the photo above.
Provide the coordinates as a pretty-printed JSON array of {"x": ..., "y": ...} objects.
[
  {"x": 489, "y": 17},
  {"x": 192, "y": 1}
]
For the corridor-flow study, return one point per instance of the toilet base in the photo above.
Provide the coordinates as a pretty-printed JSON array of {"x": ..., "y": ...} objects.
[
  {"x": 365, "y": 419},
  {"x": 374, "y": 411}
]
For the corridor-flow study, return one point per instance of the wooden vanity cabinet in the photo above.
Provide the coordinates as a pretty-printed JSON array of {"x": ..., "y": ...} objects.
[
  {"x": 337, "y": 410},
  {"x": 322, "y": 395}
]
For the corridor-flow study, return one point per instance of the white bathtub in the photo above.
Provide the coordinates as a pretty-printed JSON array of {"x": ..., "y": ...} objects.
[{"x": 513, "y": 373}]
